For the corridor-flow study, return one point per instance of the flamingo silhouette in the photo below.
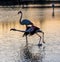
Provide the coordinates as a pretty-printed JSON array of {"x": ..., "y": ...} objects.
[
  {"x": 31, "y": 30},
  {"x": 34, "y": 30},
  {"x": 52, "y": 5},
  {"x": 24, "y": 21}
]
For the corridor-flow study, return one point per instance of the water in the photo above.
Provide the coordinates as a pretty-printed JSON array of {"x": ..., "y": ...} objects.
[{"x": 13, "y": 46}]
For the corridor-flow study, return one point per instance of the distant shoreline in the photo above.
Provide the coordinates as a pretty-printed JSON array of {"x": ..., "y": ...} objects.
[{"x": 27, "y": 6}]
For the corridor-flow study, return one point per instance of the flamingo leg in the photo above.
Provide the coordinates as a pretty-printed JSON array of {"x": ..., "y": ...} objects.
[
  {"x": 26, "y": 38},
  {"x": 43, "y": 37},
  {"x": 40, "y": 38}
]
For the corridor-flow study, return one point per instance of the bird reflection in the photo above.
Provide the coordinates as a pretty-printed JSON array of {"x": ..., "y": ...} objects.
[
  {"x": 29, "y": 56},
  {"x": 53, "y": 9},
  {"x": 53, "y": 14}
]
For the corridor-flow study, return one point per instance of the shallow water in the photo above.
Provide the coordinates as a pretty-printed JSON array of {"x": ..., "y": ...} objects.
[{"x": 13, "y": 46}]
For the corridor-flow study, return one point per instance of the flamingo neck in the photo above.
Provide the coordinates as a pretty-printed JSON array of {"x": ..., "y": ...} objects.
[{"x": 21, "y": 19}]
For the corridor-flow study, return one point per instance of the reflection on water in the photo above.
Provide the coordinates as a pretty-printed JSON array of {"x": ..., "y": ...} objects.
[
  {"x": 32, "y": 56},
  {"x": 53, "y": 12},
  {"x": 12, "y": 44}
]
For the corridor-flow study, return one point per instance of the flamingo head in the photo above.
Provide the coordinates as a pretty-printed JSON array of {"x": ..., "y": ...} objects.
[
  {"x": 13, "y": 29},
  {"x": 19, "y": 12}
]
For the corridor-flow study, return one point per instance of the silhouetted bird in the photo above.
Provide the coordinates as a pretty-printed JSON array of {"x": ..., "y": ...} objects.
[
  {"x": 53, "y": 5},
  {"x": 34, "y": 30},
  {"x": 31, "y": 30},
  {"x": 24, "y": 21}
]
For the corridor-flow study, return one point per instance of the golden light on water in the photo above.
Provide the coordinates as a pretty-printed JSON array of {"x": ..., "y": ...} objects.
[
  {"x": 12, "y": 42},
  {"x": 40, "y": 18}
]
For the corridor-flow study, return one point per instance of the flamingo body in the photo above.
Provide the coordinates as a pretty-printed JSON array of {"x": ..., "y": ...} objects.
[
  {"x": 31, "y": 30},
  {"x": 53, "y": 5},
  {"x": 26, "y": 22}
]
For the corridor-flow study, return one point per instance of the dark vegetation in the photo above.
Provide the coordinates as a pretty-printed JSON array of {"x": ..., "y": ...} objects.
[{"x": 19, "y": 2}]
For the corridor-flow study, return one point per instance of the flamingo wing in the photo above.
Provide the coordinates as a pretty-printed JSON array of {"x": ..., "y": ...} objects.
[{"x": 26, "y": 22}]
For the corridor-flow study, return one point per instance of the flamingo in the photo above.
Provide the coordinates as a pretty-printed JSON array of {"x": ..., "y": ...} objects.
[
  {"x": 52, "y": 5},
  {"x": 24, "y": 21},
  {"x": 31, "y": 30},
  {"x": 34, "y": 30}
]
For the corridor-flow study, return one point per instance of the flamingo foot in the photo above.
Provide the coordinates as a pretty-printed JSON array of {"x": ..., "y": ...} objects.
[
  {"x": 43, "y": 42},
  {"x": 39, "y": 44}
]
